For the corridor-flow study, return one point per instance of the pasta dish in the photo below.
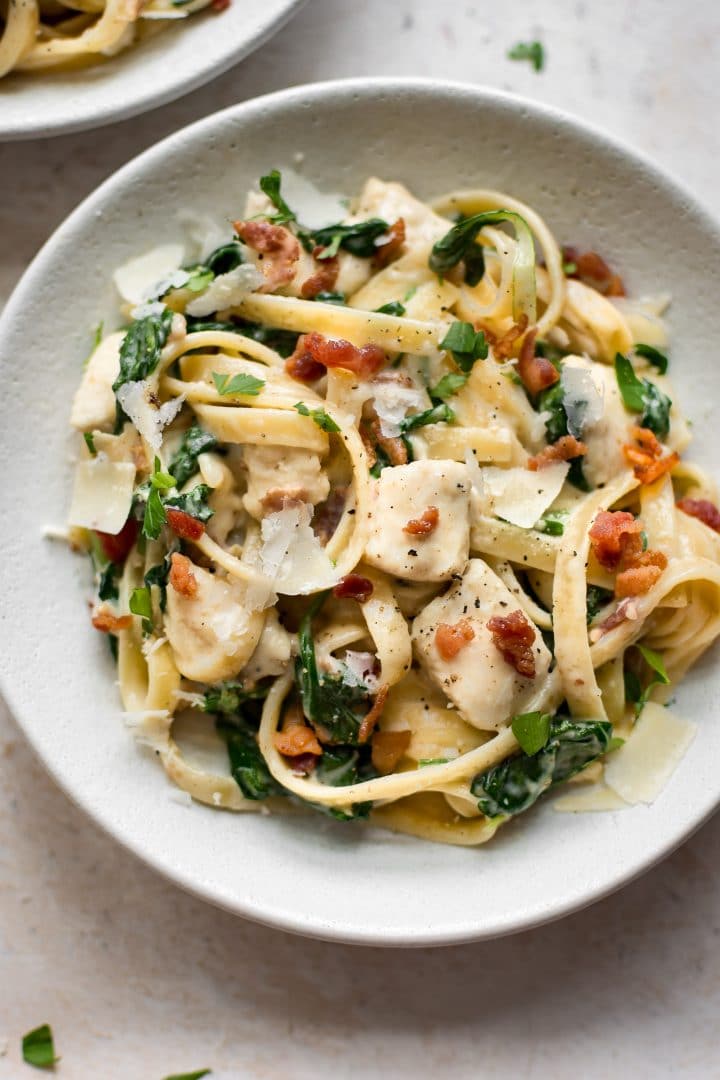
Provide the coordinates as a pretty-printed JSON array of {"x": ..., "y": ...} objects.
[
  {"x": 39, "y": 34},
  {"x": 389, "y": 518}
]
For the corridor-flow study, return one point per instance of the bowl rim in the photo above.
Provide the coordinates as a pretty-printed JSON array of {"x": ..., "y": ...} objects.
[
  {"x": 299, "y": 922},
  {"x": 116, "y": 109}
]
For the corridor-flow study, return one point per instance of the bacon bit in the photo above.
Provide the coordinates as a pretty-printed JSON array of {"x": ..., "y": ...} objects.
[
  {"x": 626, "y": 610},
  {"x": 328, "y": 515},
  {"x": 389, "y": 250},
  {"x": 108, "y": 622},
  {"x": 393, "y": 446},
  {"x": 639, "y": 578},
  {"x": 387, "y": 749},
  {"x": 450, "y": 639},
  {"x": 278, "y": 249},
  {"x": 504, "y": 345},
  {"x": 117, "y": 547},
  {"x": 284, "y": 498},
  {"x": 513, "y": 635},
  {"x": 184, "y": 525},
  {"x": 566, "y": 448},
  {"x": 324, "y": 278},
  {"x": 646, "y": 457},
  {"x": 703, "y": 510},
  {"x": 336, "y": 352},
  {"x": 370, "y": 720},
  {"x": 615, "y": 538},
  {"x": 353, "y": 587},
  {"x": 296, "y": 737},
  {"x": 592, "y": 270},
  {"x": 301, "y": 366},
  {"x": 536, "y": 372},
  {"x": 425, "y": 524},
  {"x": 220, "y": 5},
  {"x": 181, "y": 576}
]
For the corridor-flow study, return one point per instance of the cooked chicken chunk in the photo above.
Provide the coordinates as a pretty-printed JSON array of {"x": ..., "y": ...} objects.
[
  {"x": 275, "y": 473},
  {"x": 484, "y": 686}
]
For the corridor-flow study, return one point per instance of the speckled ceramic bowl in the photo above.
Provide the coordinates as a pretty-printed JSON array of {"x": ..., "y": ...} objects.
[
  {"x": 157, "y": 70},
  {"x": 304, "y": 874}
]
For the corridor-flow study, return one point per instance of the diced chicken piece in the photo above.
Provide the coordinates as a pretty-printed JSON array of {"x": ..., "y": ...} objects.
[
  {"x": 484, "y": 687},
  {"x": 273, "y": 651},
  {"x": 94, "y": 402},
  {"x": 275, "y": 473},
  {"x": 212, "y": 633},
  {"x": 402, "y": 494},
  {"x": 391, "y": 201}
]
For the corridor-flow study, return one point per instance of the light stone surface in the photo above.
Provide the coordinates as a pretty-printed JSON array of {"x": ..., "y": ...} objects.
[{"x": 140, "y": 980}]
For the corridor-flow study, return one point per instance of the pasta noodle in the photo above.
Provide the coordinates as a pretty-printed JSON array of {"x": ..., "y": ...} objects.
[
  {"x": 409, "y": 537},
  {"x": 36, "y": 35}
]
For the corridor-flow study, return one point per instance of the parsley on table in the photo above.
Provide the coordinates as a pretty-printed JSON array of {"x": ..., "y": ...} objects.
[
  {"x": 529, "y": 50},
  {"x": 38, "y": 1047}
]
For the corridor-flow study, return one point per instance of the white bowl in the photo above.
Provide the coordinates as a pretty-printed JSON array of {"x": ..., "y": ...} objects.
[
  {"x": 313, "y": 876},
  {"x": 175, "y": 61}
]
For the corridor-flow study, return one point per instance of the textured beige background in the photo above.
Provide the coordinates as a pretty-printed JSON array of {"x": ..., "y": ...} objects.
[{"x": 140, "y": 980}]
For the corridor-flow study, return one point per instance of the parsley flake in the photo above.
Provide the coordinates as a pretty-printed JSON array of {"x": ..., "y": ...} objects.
[
  {"x": 320, "y": 417},
  {"x": 243, "y": 383}
]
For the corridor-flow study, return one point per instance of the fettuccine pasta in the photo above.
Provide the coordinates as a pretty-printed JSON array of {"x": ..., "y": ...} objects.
[{"x": 389, "y": 519}]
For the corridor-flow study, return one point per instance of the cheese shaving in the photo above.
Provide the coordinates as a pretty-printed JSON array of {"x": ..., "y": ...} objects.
[
  {"x": 582, "y": 399},
  {"x": 598, "y": 798},
  {"x": 102, "y": 494},
  {"x": 138, "y": 279},
  {"x": 640, "y": 769},
  {"x": 226, "y": 290},
  {"x": 134, "y": 397},
  {"x": 520, "y": 496}
]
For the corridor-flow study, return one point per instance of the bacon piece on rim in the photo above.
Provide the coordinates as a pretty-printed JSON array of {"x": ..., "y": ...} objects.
[
  {"x": 450, "y": 638},
  {"x": 424, "y": 525},
  {"x": 353, "y": 587},
  {"x": 370, "y": 720},
  {"x": 387, "y": 749},
  {"x": 181, "y": 575},
  {"x": 278, "y": 249},
  {"x": 536, "y": 372},
  {"x": 703, "y": 510},
  {"x": 566, "y": 448},
  {"x": 184, "y": 525},
  {"x": 615, "y": 537},
  {"x": 392, "y": 247},
  {"x": 117, "y": 547},
  {"x": 513, "y": 635}
]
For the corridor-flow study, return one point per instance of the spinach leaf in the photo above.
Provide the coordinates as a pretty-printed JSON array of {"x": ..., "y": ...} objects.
[
  {"x": 643, "y": 396},
  {"x": 199, "y": 279},
  {"x": 195, "y": 441},
  {"x": 449, "y": 384},
  {"x": 341, "y": 766},
  {"x": 359, "y": 239},
  {"x": 231, "y": 698},
  {"x": 634, "y": 691},
  {"x": 551, "y": 401},
  {"x": 107, "y": 582},
  {"x": 247, "y": 765},
  {"x": 459, "y": 242},
  {"x": 225, "y": 258},
  {"x": 654, "y": 356},
  {"x": 90, "y": 442},
  {"x": 158, "y": 575},
  {"x": 529, "y": 50},
  {"x": 330, "y": 298},
  {"x": 514, "y": 785},
  {"x": 328, "y": 703},
  {"x": 596, "y": 598},
  {"x": 465, "y": 344},
  {"x": 392, "y": 308},
  {"x": 196, "y": 325},
  {"x": 321, "y": 418},
  {"x": 438, "y": 414},
  {"x": 241, "y": 383},
  {"x": 552, "y": 522},
  {"x": 282, "y": 341},
  {"x": 270, "y": 186},
  {"x": 141, "y": 347},
  {"x": 193, "y": 503}
]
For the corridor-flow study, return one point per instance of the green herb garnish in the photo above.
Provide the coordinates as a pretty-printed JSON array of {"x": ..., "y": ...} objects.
[
  {"x": 90, "y": 442},
  {"x": 197, "y": 1075},
  {"x": 466, "y": 344},
  {"x": 141, "y": 347},
  {"x": 319, "y": 416},
  {"x": 439, "y": 414},
  {"x": 449, "y": 384},
  {"x": 359, "y": 239},
  {"x": 532, "y": 730},
  {"x": 552, "y": 522},
  {"x": 528, "y": 50},
  {"x": 330, "y": 298},
  {"x": 193, "y": 503},
  {"x": 38, "y": 1047},
  {"x": 243, "y": 383},
  {"x": 643, "y": 396},
  {"x": 634, "y": 691},
  {"x": 195, "y": 441},
  {"x": 394, "y": 307},
  {"x": 654, "y": 356},
  {"x": 270, "y": 186},
  {"x": 224, "y": 258},
  {"x": 596, "y": 598}
]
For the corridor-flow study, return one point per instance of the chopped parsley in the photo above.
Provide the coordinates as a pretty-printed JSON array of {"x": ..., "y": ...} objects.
[
  {"x": 596, "y": 599},
  {"x": 643, "y": 396},
  {"x": 319, "y": 416},
  {"x": 394, "y": 307},
  {"x": 330, "y": 298},
  {"x": 38, "y": 1047},
  {"x": 270, "y": 186},
  {"x": 154, "y": 515},
  {"x": 532, "y": 730},
  {"x": 197, "y": 1075},
  {"x": 359, "y": 238},
  {"x": 653, "y": 356},
  {"x": 449, "y": 384},
  {"x": 552, "y": 522},
  {"x": 242, "y": 383},
  {"x": 634, "y": 691},
  {"x": 439, "y": 414},
  {"x": 90, "y": 442},
  {"x": 528, "y": 50},
  {"x": 141, "y": 604}
]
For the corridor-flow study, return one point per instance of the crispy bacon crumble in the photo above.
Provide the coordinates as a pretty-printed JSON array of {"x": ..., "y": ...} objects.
[
  {"x": 450, "y": 639},
  {"x": 387, "y": 749},
  {"x": 184, "y": 525},
  {"x": 181, "y": 575},
  {"x": 566, "y": 448},
  {"x": 426, "y": 524},
  {"x": 536, "y": 372},
  {"x": 353, "y": 587},
  {"x": 513, "y": 635},
  {"x": 703, "y": 510}
]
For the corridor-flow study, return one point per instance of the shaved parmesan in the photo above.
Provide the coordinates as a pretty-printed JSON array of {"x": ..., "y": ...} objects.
[
  {"x": 520, "y": 496},
  {"x": 582, "y": 399},
  {"x": 102, "y": 494},
  {"x": 135, "y": 399},
  {"x": 313, "y": 207},
  {"x": 640, "y": 769},
  {"x": 203, "y": 233},
  {"x": 137, "y": 279},
  {"x": 292, "y": 557},
  {"x": 226, "y": 290},
  {"x": 392, "y": 403},
  {"x": 587, "y": 800}
]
